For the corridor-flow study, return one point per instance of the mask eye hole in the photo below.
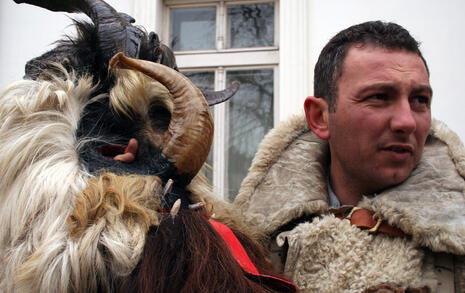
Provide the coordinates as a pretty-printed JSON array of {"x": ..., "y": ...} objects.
[{"x": 160, "y": 117}]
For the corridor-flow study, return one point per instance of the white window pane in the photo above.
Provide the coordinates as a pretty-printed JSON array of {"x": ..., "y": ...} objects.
[
  {"x": 205, "y": 81},
  {"x": 193, "y": 28},
  {"x": 251, "y": 25},
  {"x": 250, "y": 118}
]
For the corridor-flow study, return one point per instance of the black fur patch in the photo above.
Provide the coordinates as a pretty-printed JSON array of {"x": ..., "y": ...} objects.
[{"x": 100, "y": 128}]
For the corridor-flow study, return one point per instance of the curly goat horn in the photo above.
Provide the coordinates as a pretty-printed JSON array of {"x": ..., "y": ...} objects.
[{"x": 190, "y": 132}]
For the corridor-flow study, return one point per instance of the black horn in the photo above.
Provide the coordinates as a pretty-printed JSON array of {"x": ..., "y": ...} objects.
[
  {"x": 111, "y": 32},
  {"x": 217, "y": 97}
]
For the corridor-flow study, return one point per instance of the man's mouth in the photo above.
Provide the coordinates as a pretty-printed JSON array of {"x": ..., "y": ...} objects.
[
  {"x": 399, "y": 152},
  {"x": 400, "y": 149}
]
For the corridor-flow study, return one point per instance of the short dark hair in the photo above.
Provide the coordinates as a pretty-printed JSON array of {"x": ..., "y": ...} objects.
[{"x": 328, "y": 69}]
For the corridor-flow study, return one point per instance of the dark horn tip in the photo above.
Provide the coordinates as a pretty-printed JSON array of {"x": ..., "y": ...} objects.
[
  {"x": 127, "y": 17},
  {"x": 70, "y": 6},
  {"x": 235, "y": 86},
  {"x": 217, "y": 97}
]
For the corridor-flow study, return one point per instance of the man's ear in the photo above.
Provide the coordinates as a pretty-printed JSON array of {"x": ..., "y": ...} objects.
[{"x": 316, "y": 112}]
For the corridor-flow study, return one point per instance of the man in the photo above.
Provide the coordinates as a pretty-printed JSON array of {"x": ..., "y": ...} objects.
[{"x": 364, "y": 192}]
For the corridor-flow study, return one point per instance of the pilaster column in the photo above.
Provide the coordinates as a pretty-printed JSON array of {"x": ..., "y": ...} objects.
[
  {"x": 295, "y": 72},
  {"x": 149, "y": 14}
]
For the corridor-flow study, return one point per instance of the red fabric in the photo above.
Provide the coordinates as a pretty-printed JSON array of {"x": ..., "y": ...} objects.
[
  {"x": 244, "y": 261},
  {"x": 235, "y": 246}
]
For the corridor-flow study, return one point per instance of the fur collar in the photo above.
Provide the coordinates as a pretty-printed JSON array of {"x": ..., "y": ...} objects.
[{"x": 287, "y": 181}]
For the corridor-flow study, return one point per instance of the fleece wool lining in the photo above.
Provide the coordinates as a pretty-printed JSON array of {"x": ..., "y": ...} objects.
[{"x": 287, "y": 181}]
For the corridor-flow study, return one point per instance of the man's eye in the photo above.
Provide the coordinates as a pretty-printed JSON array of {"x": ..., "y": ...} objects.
[
  {"x": 420, "y": 102},
  {"x": 379, "y": 97},
  {"x": 422, "y": 99}
]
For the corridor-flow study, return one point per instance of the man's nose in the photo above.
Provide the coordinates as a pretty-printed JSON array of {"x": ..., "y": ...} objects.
[{"x": 403, "y": 119}]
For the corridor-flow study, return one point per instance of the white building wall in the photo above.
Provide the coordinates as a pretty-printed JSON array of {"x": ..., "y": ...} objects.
[
  {"x": 305, "y": 26},
  {"x": 28, "y": 31}
]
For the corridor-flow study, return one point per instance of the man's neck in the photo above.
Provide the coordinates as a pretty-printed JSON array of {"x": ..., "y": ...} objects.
[
  {"x": 346, "y": 191},
  {"x": 345, "y": 196}
]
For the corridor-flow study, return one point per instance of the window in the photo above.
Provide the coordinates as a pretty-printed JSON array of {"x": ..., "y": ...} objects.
[
  {"x": 250, "y": 25},
  {"x": 249, "y": 117},
  {"x": 192, "y": 28},
  {"x": 216, "y": 43}
]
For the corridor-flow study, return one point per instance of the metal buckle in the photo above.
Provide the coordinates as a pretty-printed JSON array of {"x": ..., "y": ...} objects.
[
  {"x": 371, "y": 230},
  {"x": 376, "y": 227},
  {"x": 352, "y": 211}
]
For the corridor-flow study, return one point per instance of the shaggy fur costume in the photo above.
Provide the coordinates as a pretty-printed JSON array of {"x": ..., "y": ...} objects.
[
  {"x": 63, "y": 229},
  {"x": 285, "y": 196}
]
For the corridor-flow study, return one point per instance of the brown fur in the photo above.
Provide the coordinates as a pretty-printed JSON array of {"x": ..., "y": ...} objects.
[
  {"x": 181, "y": 254},
  {"x": 109, "y": 195},
  {"x": 185, "y": 254}
]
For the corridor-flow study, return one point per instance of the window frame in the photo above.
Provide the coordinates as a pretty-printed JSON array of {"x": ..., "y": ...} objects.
[
  {"x": 219, "y": 61},
  {"x": 221, "y": 24}
]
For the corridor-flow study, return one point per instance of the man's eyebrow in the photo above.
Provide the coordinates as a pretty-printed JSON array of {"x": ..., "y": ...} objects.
[
  {"x": 423, "y": 89},
  {"x": 386, "y": 87}
]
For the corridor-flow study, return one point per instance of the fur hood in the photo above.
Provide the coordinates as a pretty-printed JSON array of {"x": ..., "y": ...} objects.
[{"x": 287, "y": 180}]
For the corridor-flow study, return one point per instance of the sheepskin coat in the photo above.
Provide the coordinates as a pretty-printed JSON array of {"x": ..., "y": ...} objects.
[{"x": 285, "y": 197}]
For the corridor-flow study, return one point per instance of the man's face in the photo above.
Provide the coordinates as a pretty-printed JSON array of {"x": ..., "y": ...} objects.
[{"x": 382, "y": 117}]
